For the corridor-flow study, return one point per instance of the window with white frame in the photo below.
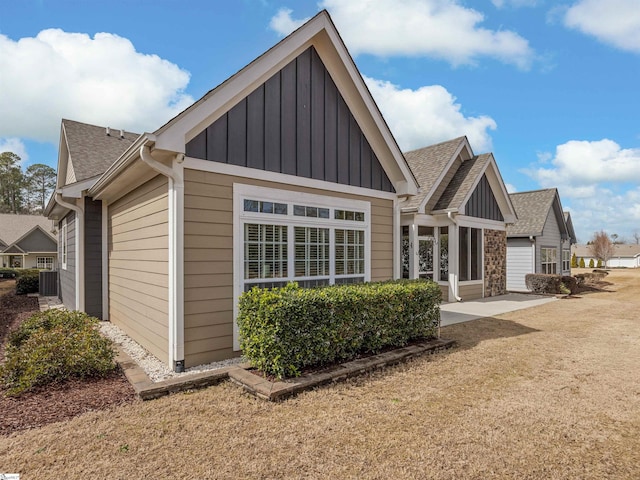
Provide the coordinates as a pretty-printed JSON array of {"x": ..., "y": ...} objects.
[
  {"x": 313, "y": 240},
  {"x": 44, "y": 263},
  {"x": 63, "y": 244},
  {"x": 549, "y": 260},
  {"x": 566, "y": 260}
]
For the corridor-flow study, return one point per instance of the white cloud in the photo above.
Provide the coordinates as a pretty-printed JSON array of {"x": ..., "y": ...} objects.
[
  {"x": 427, "y": 115},
  {"x": 615, "y": 22},
  {"x": 599, "y": 180},
  {"x": 16, "y": 146},
  {"x": 510, "y": 188},
  {"x": 101, "y": 80},
  {"x": 514, "y": 3},
  {"x": 442, "y": 29},
  {"x": 283, "y": 23}
]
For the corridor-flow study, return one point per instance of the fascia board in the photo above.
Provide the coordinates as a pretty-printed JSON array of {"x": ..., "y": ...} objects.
[{"x": 126, "y": 159}]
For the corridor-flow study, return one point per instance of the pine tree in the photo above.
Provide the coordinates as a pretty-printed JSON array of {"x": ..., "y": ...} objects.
[
  {"x": 591, "y": 264},
  {"x": 599, "y": 263},
  {"x": 581, "y": 262},
  {"x": 574, "y": 261}
]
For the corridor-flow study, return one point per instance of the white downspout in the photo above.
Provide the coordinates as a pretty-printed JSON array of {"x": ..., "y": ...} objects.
[
  {"x": 79, "y": 248},
  {"x": 176, "y": 253},
  {"x": 453, "y": 272}
]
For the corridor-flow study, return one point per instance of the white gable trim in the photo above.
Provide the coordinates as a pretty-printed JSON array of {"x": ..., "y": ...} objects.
[
  {"x": 320, "y": 33},
  {"x": 464, "y": 146}
]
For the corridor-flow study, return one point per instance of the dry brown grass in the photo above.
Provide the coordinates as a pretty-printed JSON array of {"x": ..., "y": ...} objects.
[{"x": 550, "y": 392}]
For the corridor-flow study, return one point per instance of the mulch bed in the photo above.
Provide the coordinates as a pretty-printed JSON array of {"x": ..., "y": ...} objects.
[{"x": 57, "y": 402}]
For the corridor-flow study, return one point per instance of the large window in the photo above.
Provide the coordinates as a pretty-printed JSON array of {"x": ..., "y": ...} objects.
[
  {"x": 44, "y": 263},
  {"x": 549, "y": 260},
  {"x": 470, "y": 253},
  {"x": 63, "y": 243},
  {"x": 566, "y": 260},
  {"x": 312, "y": 240}
]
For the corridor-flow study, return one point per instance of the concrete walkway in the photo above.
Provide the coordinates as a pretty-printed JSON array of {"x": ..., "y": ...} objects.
[{"x": 459, "y": 312}]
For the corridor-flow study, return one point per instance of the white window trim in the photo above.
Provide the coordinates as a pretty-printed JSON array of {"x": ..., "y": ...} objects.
[
  {"x": 481, "y": 266},
  {"x": 542, "y": 264},
  {"x": 568, "y": 261},
  {"x": 46, "y": 260},
  {"x": 240, "y": 217},
  {"x": 63, "y": 244}
]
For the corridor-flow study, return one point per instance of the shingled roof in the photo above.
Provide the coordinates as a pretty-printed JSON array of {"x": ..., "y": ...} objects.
[
  {"x": 462, "y": 182},
  {"x": 91, "y": 150},
  {"x": 13, "y": 226},
  {"x": 427, "y": 165},
  {"x": 532, "y": 209}
]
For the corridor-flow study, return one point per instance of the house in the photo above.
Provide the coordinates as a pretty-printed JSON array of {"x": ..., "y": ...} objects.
[
  {"x": 540, "y": 240},
  {"x": 624, "y": 255},
  {"x": 286, "y": 171},
  {"x": 457, "y": 221},
  {"x": 26, "y": 242},
  {"x": 85, "y": 152}
]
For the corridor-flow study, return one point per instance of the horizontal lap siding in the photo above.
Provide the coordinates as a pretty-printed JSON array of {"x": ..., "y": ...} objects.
[
  {"x": 138, "y": 265},
  {"x": 470, "y": 292},
  {"x": 208, "y": 267},
  {"x": 68, "y": 275}
]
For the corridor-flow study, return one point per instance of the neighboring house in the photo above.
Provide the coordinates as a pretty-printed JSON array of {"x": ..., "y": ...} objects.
[
  {"x": 624, "y": 255},
  {"x": 540, "y": 240},
  {"x": 457, "y": 221},
  {"x": 286, "y": 171},
  {"x": 26, "y": 242}
]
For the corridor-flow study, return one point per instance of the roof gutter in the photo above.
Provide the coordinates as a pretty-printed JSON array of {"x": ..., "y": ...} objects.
[
  {"x": 175, "y": 176},
  {"x": 79, "y": 273}
]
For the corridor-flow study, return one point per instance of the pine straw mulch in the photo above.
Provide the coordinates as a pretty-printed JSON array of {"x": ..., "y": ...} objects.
[{"x": 57, "y": 402}]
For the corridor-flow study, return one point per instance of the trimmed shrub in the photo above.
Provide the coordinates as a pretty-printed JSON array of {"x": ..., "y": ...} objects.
[
  {"x": 284, "y": 330},
  {"x": 27, "y": 271},
  {"x": 53, "y": 346},
  {"x": 8, "y": 273},
  {"x": 574, "y": 261},
  {"x": 543, "y": 283},
  {"x": 599, "y": 265},
  {"x": 570, "y": 283},
  {"x": 582, "y": 263},
  {"x": 28, "y": 283},
  {"x": 591, "y": 264}
]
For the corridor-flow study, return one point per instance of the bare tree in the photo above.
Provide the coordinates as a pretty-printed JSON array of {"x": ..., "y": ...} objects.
[
  {"x": 636, "y": 236},
  {"x": 602, "y": 247}
]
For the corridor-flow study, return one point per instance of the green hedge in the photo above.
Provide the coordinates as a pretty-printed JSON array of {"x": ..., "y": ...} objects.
[
  {"x": 53, "y": 346},
  {"x": 28, "y": 282},
  {"x": 284, "y": 330},
  {"x": 8, "y": 272}
]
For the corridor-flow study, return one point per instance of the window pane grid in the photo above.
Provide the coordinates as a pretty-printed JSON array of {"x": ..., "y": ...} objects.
[
  {"x": 265, "y": 251},
  {"x": 311, "y": 251},
  {"x": 349, "y": 249},
  {"x": 549, "y": 260}
]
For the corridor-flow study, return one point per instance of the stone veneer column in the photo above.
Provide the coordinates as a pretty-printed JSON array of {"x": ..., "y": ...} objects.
[{"x": 495, "y": 262}]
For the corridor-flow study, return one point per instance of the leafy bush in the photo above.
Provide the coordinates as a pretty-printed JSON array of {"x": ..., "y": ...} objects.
[
  {"x": 28, "y": 283},
  {"x": 543, "y": 283},
  {"x": 284, "y": 330},
  {"x": 27, "y": 271},
  {"x": 53, "y": 346},
  {"x": 8, "y": 273}
]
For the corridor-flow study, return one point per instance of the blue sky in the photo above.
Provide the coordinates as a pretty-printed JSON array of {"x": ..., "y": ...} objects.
[{"x": 550, "y": 87}]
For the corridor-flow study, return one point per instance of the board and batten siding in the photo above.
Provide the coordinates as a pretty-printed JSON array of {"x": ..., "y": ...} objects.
[
  {"x": 550, "y": 238},
  {"x": 93, "y": 257},
  {"x": 68, "y": 275},
  {"x": 139, "y": 265},
  {"x": 519, "y": 263},
  {"x": 208, "y": 257}
]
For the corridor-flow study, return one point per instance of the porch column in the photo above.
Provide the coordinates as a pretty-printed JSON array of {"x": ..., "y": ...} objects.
[
  {"x": 454, "y": 256},
  {"x": 414, "y": 251}
]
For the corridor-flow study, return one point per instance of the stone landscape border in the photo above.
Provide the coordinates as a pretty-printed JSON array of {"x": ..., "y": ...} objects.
[{"x": 264, "y": 388}]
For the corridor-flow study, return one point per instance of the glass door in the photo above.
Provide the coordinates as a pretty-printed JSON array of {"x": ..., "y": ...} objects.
[{"x": 425, "y": 257}]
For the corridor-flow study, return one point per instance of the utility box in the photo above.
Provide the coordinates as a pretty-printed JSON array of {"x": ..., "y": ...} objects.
[{"x": 48, "y": 283}]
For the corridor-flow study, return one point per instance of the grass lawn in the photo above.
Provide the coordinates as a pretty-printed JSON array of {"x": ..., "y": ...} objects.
[{"x": 548, "y": 392}]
